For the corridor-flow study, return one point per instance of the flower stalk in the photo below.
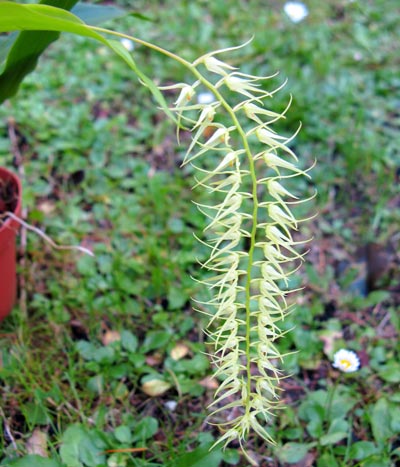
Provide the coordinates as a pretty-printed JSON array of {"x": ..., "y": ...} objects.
[{"x": 245, "y": 164}]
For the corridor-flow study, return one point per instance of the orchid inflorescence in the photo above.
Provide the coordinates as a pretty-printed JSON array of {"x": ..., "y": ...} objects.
[{"x": 247, "y": 296}]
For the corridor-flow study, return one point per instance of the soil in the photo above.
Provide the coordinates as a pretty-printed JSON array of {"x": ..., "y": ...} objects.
[{"x": 8, "y": 197}]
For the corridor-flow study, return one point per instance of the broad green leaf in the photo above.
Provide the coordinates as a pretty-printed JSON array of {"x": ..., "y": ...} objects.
[
  {"x": 155, "y": 340},
  {"x": 123, "y": 434},
  {"x": 34, "y": 460},
  {"x": 96, "y": 384},
  {"x": 332, "y": 438},
  {"x": 35, "y": 414},
  {"x": 87, "y": 350},
  {"x": 380, "y": 416},
  {"x": 16, "y": 17},
  {"x": 82, "y": 447},
  {"x": 231, "y": 456},
  {"x": 390, "y": 372},
  {"x": 376, "y": 462},
  {"x": 91, "y": 448},
  {"x": 129, "y": 341},
  {"x": 47, "y": 18},
  {"x": 362, "y": 449},
  {"x": 33, "y": 20},
  {"x": 105, "y": 355},
  {"x": 338, "y": 430},
  {"x": 22, "y": 51},
  {"x": 292, "y": 452},
  {"x": 200, "y": 457},
  {"x": 145, "y": 429},
  {"x": 327, "y": 460},
  {"x": 395, "y": 419},
  {"x": 69, "y": 450}
]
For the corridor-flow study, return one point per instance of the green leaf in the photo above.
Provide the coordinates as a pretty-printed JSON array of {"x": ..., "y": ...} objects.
[
  {"x": 35, "y": 414},
  {"x": 81, "y": 447},
  {"x": 129, "y": 341},
  {"x": 24, "y": 50},
  {"x": 156, "y": 340},
  {"x": 380, "y": 415},
  {"x": 86, "y": 350},
  {"x": 395, "y": 419},
  {"x": 376, "y": 297},
  {"x": 105, "y": 355},
  {"x": 145, "y": 429},
  {"x": 338, "y": 430},
  {"x": 34, "y": 460},
  {"x": 90, "y": 449},
  {"x": 362, "y": 449},
  {"x": 96, "y": 14},
  {"x": 377, "y": 463},
  {"x": 231, "y": 456},
  {"x": 390, "y": 372},
  {"x": 292, "y": 452},
  {"x": 123, "y": 434},
  {"x": 327, "y": 460},
  {"x": 197, "y": 365},
  {"x": 200, "y": 457},
  {"x": 332, "y": 438},
  {"x": 96, "y": 384},
  {"x": 69, "y": 450},
  {"x": 176, "y": 298}
]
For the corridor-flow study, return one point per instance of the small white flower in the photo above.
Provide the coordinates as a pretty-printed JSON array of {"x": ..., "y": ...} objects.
[
  {"x": 129, "y": 45},
  {"x": 186, "y": 94},
  {"x": 217, "y": 66},
  {"x": 170, "y": 405},
  {"x": 346, "y": 361},
  {"x": 296, "y": 11},
  {"x": 205, "y": 98}
]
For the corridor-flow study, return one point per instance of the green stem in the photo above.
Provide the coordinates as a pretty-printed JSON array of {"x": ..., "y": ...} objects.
[{"x": 145, "y": 44}]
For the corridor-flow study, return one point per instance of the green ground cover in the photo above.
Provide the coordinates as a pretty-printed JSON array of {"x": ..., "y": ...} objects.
[{"x": 80, "y": 354}]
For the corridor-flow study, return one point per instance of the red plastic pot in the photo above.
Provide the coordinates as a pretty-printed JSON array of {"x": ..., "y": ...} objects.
[{"x": 10, "y": 200}]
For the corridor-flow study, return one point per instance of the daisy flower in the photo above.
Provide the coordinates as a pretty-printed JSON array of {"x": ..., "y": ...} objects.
[{"x": 346, "y": 361}]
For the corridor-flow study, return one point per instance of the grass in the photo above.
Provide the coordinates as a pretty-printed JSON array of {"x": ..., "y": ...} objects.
[{"x": 93, "y": 338}]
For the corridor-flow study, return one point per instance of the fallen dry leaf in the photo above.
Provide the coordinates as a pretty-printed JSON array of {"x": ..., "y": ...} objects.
[
  {"x": 328, "y": 338},
  {"x": 155, "y": 387},
  {"x": 154, "y": 359},
  {"x": 209, "y": 382},
  {"x": 110, "y": 336},
  {"x": 37, "y": 443},
  {"x": 179, "y": 351},
  {"x": 47, "y": 207}
]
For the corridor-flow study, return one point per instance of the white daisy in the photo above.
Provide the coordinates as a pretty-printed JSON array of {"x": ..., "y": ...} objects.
[
  {"x": 296, "y": 11},
  {"x": 346, "y": 361}
]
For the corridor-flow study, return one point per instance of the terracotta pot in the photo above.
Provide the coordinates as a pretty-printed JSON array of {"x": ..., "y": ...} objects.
[{"x": 10, "y": 200}]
